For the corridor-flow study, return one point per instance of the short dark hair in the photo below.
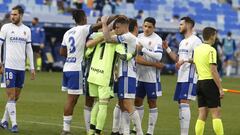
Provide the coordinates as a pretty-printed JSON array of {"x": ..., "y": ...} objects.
[
  {"x": 78, "y": 15},
  {"x": 36, "y": 19},
  {"x": 229, "y": 33},
  {"x": 19, "y": 8},
  {"x": 208, "y": 32},
  {"x": 122, "y": 20},
  {"x": 98, "y": 19},
  {"x": 189, "y": 20},
  {"x": 132, "y": 24},
  {"x": 150, "y": 20}
]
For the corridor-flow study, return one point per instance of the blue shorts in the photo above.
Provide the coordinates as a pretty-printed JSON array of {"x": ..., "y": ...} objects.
[
  {"x": 14, "y": 78},
  {"x": 126, "y": 87},
  {"x": 228, "y": 57},
  {"x": 185, "y": 90},
  {"x": 152, "y": 90},
  {"x": 72, "y": 82}
]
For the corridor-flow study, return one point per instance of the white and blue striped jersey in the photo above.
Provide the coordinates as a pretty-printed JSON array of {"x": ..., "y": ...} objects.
[
  {"x": 75, "y": 40},
  {"x": 187, "y": 72},
  {"x": 128, "y": 68},
  {"x": 152, "y": 51},
  {"x": 17, "y": 43}
]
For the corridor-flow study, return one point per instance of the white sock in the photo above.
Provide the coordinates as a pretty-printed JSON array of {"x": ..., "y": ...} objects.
[
  {"x": 5, "y": 115},
  {"x": 137, "y": 122},
  {"x": 140, "y": 111},
  {"x": 229, "y": 68},
  {"x": 121, "y": 126},
  {"x": 11, "y": 107},
  {"x": 116, "y": 118},
  {"x": 67, "y": 123},
  {"x": 126, "y": 123},
  {"x": 87, "y": 116},
  {"x": 185, "y": 116},
  {"x": 152, "y": 119}
]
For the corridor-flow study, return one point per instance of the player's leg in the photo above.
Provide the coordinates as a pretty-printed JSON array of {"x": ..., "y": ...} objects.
[
  {"x": 116, "y": 113},
  {"x": 229, "y": 66},
  {"x": 214, "y": 105},
  {"x": 93, "y": 92},
  {"x": 73, "y": 82},
  {"x": 138, "y": 102},
  {"x": 87, "y": 111},
  {"x": 105, "y": 93},
  {"x": 184, "y": 92},
  {"x": 89, "y": 101},
  {"x": 216, "y": 120},
  {"x": 116, "y": 119},
  {"x": 38, "y": 60},
  {"x": 153, "y": 91},
  {"x": 129, "y": 92},
  {"x": 200, "y": 124}
]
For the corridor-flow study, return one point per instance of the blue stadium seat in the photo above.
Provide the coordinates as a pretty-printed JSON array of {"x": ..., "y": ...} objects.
[
  {"x": 7, "y": 1},
  {"x": 3, "y": 8},
  {"x": 40, "y": 2}
]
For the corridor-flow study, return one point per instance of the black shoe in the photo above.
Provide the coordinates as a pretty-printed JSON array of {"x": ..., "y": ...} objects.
[
  {"x": 116, "y": 133},
  {"x": 148, "y": 134}
]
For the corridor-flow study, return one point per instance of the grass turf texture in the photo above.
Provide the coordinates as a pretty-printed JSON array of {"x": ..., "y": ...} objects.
[{"x": 40, "y": 109}]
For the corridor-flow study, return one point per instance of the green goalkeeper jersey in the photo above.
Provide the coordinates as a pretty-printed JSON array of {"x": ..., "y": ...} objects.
[{"x": 103, "y": 61}]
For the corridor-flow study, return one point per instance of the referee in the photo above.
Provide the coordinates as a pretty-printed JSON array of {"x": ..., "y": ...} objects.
[{"x": 209, "y": 88}]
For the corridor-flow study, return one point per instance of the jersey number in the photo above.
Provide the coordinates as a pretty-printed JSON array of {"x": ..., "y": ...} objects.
[
  {"x": 9, "y": 75},
  {"x": 72, "y": 45},
  {"x": 102, "y": 46}
]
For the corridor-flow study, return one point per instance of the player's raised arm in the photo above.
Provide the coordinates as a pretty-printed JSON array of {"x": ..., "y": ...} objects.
[
  {"x": 97, "y": 26},
  {"x": 172, "y": 55}
]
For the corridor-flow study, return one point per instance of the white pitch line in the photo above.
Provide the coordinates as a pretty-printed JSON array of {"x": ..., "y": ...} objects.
[{"x": 50, "y": 124}]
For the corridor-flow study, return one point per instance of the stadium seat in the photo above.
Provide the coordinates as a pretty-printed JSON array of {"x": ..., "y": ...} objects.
[{"x": 3, "y": 8}]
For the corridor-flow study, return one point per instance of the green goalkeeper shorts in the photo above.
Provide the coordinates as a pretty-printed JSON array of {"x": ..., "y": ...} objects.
[{"x": 102, "y": 92}]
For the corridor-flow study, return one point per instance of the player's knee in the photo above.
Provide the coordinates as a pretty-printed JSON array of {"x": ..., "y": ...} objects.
[
  {"x": 138, "y": 102},
  {"x": 216, "y": 113},
  {"x": 186, "y": 101},
  {"x": 73, "y": 99},
  {"x": 89, "y": 101},
  {"x": 152, "y": 103}
]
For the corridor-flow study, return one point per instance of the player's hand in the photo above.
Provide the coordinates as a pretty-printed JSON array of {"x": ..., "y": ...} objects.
[
  {"x": 104, "y": 19},
  {"x": 139, "y": 48},
  {"x": 139, "y": 58},
  {"x": 41, "y": 46},
  {"x": 179, "y": 64},
  {"x": 221, "y": 93},
  {"x": 33, "y": 74},
  {"x": 165, "y": 44},
  {"x": 159, "y": 65}
]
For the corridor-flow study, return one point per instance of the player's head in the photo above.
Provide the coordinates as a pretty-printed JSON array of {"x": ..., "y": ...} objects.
[
  {"x": 35, "y": 21},
  {"x": 98, "y": 21},
  {"x": 133, "y": 26},
  {"x": 149, "y": 26},
  {"x": 229, "y": 34},
  {"x": 186, "y": 24},
  {"x": 17, "y": 14},
  {"x": 79, "y": 16},
  {"x": 120, "y": 25},
  {"x": 209, "y": 35}
]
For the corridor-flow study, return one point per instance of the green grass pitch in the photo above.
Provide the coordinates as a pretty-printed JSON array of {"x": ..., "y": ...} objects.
[{"x": 40, "y": 109}]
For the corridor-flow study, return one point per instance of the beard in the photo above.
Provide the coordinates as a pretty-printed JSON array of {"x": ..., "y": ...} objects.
[
  {"x": 15, "y": 21},
  {"x": 183, "y": 31}
]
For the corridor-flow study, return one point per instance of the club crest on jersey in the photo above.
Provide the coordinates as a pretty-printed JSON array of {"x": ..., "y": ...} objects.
[
  {"x": 24, "y": 33},
  {"x": 186, "y": 44},
  {"x": 150, "y": 43},
  {"x": 12, "y": 32}
]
